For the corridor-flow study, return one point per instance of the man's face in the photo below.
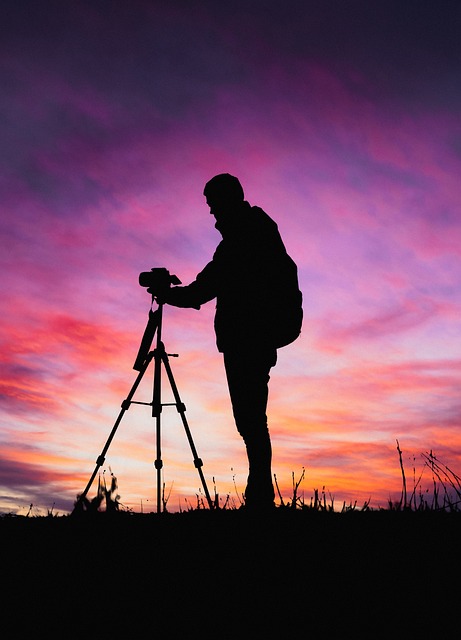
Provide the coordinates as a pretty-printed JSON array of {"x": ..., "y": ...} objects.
[{"x": 218, "y": 208}]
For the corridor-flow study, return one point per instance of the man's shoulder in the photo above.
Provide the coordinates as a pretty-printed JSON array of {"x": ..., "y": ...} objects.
[{"x": 262, "y": 219}]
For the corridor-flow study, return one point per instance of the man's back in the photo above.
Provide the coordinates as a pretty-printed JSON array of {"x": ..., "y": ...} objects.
[{"x": 247, "y": 263}]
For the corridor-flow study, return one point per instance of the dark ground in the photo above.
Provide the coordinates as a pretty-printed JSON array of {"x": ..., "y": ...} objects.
[{"x": 292, "y": 574}]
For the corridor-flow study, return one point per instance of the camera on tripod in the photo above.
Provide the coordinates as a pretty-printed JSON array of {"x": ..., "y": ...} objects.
[{"x": 158, "y": 280}]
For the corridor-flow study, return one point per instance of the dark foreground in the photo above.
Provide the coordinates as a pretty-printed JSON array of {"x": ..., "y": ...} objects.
[{"x": 292, "y": 574}]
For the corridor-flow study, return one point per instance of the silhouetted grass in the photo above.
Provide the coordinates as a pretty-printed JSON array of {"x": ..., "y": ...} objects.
[{"x": 444, "y": 494}]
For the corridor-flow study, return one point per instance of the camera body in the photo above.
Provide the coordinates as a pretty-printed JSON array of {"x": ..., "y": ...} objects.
[{"x": 157, "y": 280}]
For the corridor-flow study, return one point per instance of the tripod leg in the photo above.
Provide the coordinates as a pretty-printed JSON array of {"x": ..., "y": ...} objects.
[
  {"x": 156, "y": 413},
  {"x": 181, "y": 410},
  {"x": 125, "y": 406}
]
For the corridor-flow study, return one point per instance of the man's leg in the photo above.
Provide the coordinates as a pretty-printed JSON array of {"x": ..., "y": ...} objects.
[{"x": 248, "y": 376}]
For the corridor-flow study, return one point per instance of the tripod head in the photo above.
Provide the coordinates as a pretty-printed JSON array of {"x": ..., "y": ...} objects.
[{"x": 158, "y": 280}]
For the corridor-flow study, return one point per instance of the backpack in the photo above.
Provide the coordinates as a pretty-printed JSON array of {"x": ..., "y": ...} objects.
[{"x": 287, "y": 314}]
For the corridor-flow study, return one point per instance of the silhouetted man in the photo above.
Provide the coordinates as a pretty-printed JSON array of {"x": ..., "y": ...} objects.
[{"x": 244, "y": 276}]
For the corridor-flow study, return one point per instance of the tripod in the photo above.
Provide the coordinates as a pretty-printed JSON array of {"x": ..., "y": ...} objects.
[{"x": 144, "y": 358}]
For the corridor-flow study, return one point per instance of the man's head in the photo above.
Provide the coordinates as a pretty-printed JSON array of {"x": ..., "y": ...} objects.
[{"x": 223, "y": 193}]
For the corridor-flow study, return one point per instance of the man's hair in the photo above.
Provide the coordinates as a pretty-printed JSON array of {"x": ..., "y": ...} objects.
[{"x": 224, "y": 187}]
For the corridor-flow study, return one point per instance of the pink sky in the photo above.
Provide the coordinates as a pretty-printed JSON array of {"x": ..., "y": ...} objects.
[{"x": 344, "y": 127}]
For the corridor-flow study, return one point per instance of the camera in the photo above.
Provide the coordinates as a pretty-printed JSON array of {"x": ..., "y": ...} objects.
[{"x": 157, "y": 280}]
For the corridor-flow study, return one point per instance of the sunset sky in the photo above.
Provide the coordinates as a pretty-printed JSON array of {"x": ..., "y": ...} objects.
[{"x": 342, "y": 121}]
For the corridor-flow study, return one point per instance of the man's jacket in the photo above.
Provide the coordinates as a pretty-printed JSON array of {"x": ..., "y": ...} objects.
[{"x": 246, "y": 276}]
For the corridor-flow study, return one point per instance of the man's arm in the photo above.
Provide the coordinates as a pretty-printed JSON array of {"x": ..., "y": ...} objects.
[{"x": 201, "y": 290}]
